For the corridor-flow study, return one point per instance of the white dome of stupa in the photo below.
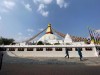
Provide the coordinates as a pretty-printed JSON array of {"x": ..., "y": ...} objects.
[{"x": 49, "y": 37}]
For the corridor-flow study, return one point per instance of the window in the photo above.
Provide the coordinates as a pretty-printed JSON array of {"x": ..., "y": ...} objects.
[
  {"x": 88, "y": 49},
  {"x": 11, "y": 49},
  {"x": 69, "y": 49},
  {"x": 29, "y": 49},
  {"x": 2, "y": 49},
  {"x": 58, "y": 49},
  {"x": 48, "y": 49},
  {"x": 97, "y": 48},
  {"x": 76, "y": 49},
  {"x": 39, "y": 49},
  {"x": 20, "y": 49}
]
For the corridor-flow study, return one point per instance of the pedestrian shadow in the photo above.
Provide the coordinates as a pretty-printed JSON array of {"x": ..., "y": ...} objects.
[{"x": 85, "y": 59}]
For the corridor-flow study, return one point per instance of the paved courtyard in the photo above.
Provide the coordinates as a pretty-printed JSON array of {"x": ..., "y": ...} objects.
[
  {"x": 53, "y": 60},
  {"x": 50, "y": 66}
]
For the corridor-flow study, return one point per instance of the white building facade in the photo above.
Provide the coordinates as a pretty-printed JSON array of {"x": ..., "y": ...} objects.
[{"x": 66, "y": 44}]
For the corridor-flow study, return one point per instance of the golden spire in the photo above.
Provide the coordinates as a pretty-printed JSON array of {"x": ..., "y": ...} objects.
[{"x": 49, "y": 30}]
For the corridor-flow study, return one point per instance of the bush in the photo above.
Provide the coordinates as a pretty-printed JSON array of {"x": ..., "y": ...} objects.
[
  {"x": 6, "y": 41},
  {"x": 57, "y": 44},
  {"x": 48, "y": 44},
  {"x": 40, "y": 43}
]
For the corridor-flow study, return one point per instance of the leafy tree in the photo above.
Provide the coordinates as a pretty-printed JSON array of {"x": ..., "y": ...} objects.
[
  {"x": 57, "y": 44},
  {"x": 6, "y": 41},
  {"x": 47, "y": 43},
  {"x": 87, "y": 41},
  {"x": 40, "y": 43}
]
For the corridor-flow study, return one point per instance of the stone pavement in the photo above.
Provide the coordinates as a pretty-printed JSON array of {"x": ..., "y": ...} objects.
[
  {"x": 48, "y": 69},
  {"x": 50, "y": 60},
  {"x": 50, "y": 66}
]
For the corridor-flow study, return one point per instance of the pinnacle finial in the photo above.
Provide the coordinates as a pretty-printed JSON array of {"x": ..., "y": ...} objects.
[
  {"x": 49, "y": 25},
  {"x": 49, "y": 30}
]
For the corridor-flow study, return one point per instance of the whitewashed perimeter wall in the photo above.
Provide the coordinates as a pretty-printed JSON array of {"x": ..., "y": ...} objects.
[{"x": 52, "y": 53}]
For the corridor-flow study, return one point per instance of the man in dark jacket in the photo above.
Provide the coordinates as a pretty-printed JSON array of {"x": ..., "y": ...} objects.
[
  {"x": 80, "y": 53},
  {"x": 1, "y": 57},
  {"x": 67, "y": 54}
]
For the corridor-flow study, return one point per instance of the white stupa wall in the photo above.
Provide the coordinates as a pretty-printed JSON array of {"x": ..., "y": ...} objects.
[
  {"x": 53, "y": 53},
  {"x": 67, "y": 39}
]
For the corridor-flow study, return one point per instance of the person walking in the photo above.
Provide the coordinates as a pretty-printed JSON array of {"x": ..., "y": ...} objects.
[
  {"x": 80, "y": 53},
  {"x": 1, "y": 58},
  {"x": 67, "y": 54}
]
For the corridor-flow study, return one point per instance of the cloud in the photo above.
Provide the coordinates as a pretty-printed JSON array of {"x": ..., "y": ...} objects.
[
  {"x": 43, "y": 5},
  {"x": 19, "y": 34},
  {"x": 28, "y": 7},
  {"x": 7, "y": 5},
  {"x": 46, "y": 1},
  {"x": 98, "y": 31},
  {"x": 61, "y": 3},
  {"x": 0, "y": 18},
  {"x": 42, "y": 1},
  {"x": 42, "y": 11},
  {"x": 29, "y": 34},
  {"x": 4, "y": 10},
  {"x": 41, "y": 29},
  {"x": 20, "y": 38},
  {"x": 30, "y": 30}
]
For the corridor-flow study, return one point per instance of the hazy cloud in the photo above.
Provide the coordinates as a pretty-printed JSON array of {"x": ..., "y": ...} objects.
[
  {"x": 41, "y": 29},
  {"x": 7, "y": 5},
  {"x": 29, "y": 34},
  {"x": 62, "y": 3},
  {"x": 21, "y": 38},
  {"x": 28, "y": 7},
  {"x": 30, "y": 30},
  {"x": 98, "y": 31},
  {"x": 42, "y": 1},
  {"x": 42, "y": 10},
  {"x": 43, "y": 5},
  {"x": 0, "y": 18},
  {"x": 19, "y": 33}
]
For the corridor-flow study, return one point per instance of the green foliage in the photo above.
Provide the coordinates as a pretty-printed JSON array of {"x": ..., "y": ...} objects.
[
  {"x": 48, "y": 44},
  {"x": 40, "y": 43},
  {"x": 85, "y": 41},
  {"x": 67, "y": 43},
  {"x": 6, "y": 41},
  {"x": 57, "y": 44}
]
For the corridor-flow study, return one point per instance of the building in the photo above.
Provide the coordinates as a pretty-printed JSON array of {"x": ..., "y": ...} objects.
[{"x": 56, "y": 47}]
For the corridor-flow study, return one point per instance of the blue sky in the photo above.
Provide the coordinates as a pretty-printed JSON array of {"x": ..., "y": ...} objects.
[{"x": 21, "y": 19}]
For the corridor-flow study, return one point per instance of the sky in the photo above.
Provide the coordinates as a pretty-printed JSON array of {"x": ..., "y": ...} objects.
[{"x": 22, "y": 19}]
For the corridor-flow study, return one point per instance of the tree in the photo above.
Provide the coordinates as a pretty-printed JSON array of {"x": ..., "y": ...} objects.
[
  {"x": 6, "y": 41},
  {"x": 87, "y": 41},
  {"x": 47, "y": 43},
  {"x": 40, "y": 43},
  {"x": 56, "y": 43}
]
